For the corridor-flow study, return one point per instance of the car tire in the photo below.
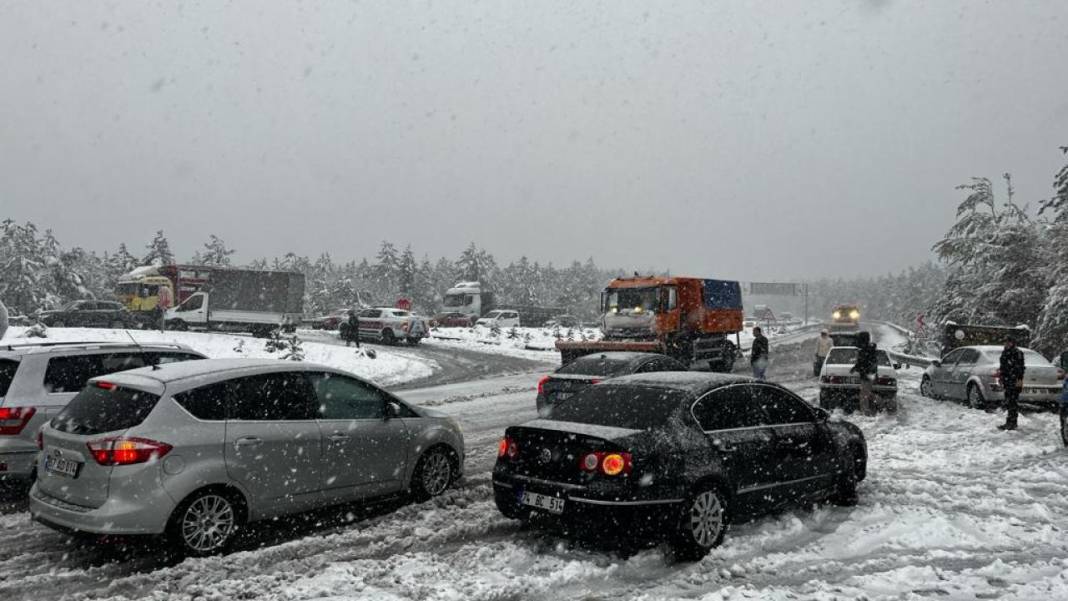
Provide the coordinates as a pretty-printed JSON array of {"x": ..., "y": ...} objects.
[
  {"x": 925, "y": 388},
  {"x": 413, "y": 341},
  {"x": 845, "y": 486},
  {"x": 206, "y": 522},
  {"x": 433, "y": 474},
  {"x": 702, "y": 524},
  {"x": 388, "y": 338},
  {"x": 975, "y": 398},
  {"x": 1064, "y": 427},
  {"x": 179, "y": 326}
]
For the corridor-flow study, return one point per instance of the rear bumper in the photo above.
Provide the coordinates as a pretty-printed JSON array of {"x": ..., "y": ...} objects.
[
  {"x": 590, "y": 511},
  {"x": 17, "y": 464},
  {"x": 854, "y": 389},
  {"x": 149, "y": 515}
]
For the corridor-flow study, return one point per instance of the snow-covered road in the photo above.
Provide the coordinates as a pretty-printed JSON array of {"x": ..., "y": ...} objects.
[{"x": 952, "y": 509}]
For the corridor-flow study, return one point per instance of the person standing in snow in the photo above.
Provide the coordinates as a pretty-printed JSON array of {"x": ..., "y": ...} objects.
[
  {"x": 758, "y": 356},
  {"x": 823, "y": 347},
  {"x": 1012, "y": 375},
  {"x": 866, "y": 368},
  {"x": 350, "y": 330}
]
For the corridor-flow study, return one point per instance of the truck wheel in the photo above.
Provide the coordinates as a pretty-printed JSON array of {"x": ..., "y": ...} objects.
[
  {"x": 177, "y": 325},
  {"x": 388, "y": 338}
]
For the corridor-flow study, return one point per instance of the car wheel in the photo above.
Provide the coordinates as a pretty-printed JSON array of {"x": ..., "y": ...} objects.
[
  {"x": 975, "y": 397},
  {"x": 413, "y": 341},
  {"x": 925, "y": 388},
  {"x": 1064, "y": 427},
  {"x": 845, "y": 487},
  {"x": 702, "y": 525},
  {"x": 205, "y": 523},
  {"x": 433, "y": 474},
  {"x": 388, "y": 338}
]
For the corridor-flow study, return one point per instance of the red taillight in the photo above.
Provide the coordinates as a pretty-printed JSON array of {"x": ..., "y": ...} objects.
[
  {"x": 595, "y": 381},
  {"x": 127, "y": 450},
  {"x": 14, "y": 419},
  {"x": 541, "y": 384},
  {"x": 507, "y": 447},
  {"x": 609, "y": 464},
  {"x": 106, "y": 385}
]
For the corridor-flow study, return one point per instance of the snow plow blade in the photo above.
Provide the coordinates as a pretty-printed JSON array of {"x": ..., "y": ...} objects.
[{"x": 569, "y": 351}]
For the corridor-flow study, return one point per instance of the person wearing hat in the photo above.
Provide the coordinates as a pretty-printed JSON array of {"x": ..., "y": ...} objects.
[
  {"x": 758, "y": 354},
  {"x": 1012, "y": 377},
  {"x": 823, "y": 347}
]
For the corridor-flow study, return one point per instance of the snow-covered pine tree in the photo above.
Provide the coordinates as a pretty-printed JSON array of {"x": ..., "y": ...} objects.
[
  {"x": 215, "y": 253},
  {"x": 22, "y": 264},
  {"x": 159, "y": 251}
]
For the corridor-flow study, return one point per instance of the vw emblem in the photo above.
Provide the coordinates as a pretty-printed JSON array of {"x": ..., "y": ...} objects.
[
  {"x": 57, "y": 453},
  {"x": 545, "y": 456}
]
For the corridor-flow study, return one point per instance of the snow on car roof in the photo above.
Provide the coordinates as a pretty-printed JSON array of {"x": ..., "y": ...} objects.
[
  {"x": 694, "y": 382},
  {"x": 172, "y": 372}
]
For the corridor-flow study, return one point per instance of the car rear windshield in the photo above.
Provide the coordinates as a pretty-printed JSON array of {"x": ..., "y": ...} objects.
[
  {"x": 7, "y": 374},
  {"x": 596, "y": 365},
  {"x": 848, "y": 356},
  {"x": 633, "y": 407},
  {"x": 96, "y": 410}
]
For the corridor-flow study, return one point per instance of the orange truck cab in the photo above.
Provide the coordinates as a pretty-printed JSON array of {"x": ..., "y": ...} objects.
[{"x": 687, "y": 318}]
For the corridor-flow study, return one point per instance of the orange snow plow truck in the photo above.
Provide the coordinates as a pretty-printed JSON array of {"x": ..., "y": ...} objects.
[{"x": 690, "y": 319}]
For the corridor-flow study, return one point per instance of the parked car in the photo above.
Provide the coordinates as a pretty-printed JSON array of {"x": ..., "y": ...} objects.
[
  {"x": 331, "y": 320},
  {"x": 501, "y": 318},
  {"x": 195, "y": 450},
  {"x": 679, "y": 455},
  {"x": 452, "y": 319},
  {"x": 586, "y": 371},
  {"x": 89, "y": 314},
  {"x": 38, "y": 379},
  {"x": 840, "y": 387},
  {"x": 390, "y": 326},
  {"x": 972, "y": 374}
]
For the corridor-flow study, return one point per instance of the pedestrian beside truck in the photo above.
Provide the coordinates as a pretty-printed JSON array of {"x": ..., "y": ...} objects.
[
  {"x": 758, "y": 355},
  {"x": 1012, "y": 378},
  {"x": 867, "y": 369}
]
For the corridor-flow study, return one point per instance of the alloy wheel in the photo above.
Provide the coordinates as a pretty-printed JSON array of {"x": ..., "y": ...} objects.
[
  {"x": 706, "y": 518},
  {"x": 208, "y": 523},
  {"x": 975, "y": 399},
  {"x": 437, "y": 471}
]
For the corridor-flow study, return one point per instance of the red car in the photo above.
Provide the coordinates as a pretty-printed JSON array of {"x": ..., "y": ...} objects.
[{"x": 452, "y": 319}]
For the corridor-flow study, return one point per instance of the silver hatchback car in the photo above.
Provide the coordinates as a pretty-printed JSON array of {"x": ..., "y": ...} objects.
[
  {"x": 195, "y": 450},
  {"x": 971, "y": 374}
]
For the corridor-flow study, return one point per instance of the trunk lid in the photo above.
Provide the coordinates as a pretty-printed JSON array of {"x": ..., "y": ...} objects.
[
  {"x": 551, "y": 450},
  {"x": 89, "y": 485}
]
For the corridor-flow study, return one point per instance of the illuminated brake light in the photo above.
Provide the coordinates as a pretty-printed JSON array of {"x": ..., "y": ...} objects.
[
  {"x": 507, "y": 448},
  {"x": 610, "y": 464},
  {"x": 14, "y": 419},
  {"x": 127, "y": 450},
  {"x": 105, "y": 385},
  {"x": 595, "y": 381},
  {"x": 541, "y": 384}
]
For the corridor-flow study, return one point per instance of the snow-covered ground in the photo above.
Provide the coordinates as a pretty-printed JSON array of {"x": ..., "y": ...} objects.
[
  {"x": 386, "y": 368},
  {"x": 952, "y": 509}
]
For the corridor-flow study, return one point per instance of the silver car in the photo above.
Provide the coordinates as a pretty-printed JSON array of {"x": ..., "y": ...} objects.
[
  {"x": 972, "y": 374},
  {"x": 195, "y": 450},
  {"x": 39, "y": 378}
]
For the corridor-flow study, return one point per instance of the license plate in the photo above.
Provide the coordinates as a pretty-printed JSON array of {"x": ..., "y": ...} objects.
[
  {"x": 61, "y": 466},
  {"x": 563, "y": 396},
  {"x": 545, "y": 502}
]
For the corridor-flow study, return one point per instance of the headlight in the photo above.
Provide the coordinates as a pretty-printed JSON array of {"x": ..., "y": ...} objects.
[
  {"x": 837, "y": 315},
  {"x": 854, "y": 314}
]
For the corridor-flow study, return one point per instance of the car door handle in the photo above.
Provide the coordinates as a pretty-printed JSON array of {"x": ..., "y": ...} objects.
[
  {"x": 338, "y": 437},
  {"x": 248, "y": 441}
]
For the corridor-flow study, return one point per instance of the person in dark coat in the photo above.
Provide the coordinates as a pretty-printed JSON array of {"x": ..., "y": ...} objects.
[
  {"x": 758, "y": 355},
  {"x": 866, "y": 368},
  {"x": 1012, "y": 377},
  {"x": 350, "y": 329}
]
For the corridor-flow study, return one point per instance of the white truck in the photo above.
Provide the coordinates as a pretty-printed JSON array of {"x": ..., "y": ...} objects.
[{"x": 243, "y": 300}]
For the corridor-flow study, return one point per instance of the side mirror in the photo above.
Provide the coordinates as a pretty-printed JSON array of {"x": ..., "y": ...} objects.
[
  {"x": 936, "y": 363},
  {"x": 821, "y": 414},
  {"x": 393, "y": 410}
]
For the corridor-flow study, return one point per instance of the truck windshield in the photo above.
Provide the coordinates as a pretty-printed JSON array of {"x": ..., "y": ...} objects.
[
  {"x": 454, "y": 300},
  {"x": 630, "y": 299}
]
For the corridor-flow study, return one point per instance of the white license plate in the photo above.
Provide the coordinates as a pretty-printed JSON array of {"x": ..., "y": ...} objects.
[
  {"x": 550, "y": 504},
  {"x": 61, "y": 466}
]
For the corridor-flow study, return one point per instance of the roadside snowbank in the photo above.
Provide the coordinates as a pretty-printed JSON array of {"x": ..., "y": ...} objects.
[{"x": 386, "y": 369}]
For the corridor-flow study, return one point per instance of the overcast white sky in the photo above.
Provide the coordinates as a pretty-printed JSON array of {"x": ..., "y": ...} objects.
[{"x": 718, "y": 138}]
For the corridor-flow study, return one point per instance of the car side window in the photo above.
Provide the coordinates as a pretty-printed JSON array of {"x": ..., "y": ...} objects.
[
  {"x": 968, "y": 357},
  {"x": 165, "y": 358},
  {"x": 728, "y": 409},
  {"x": 951, "y": 358},
  {"x": 370, "y": 313},
  {"x": 69, "y": 374},
  {"x": 114, "y": 362},
  {"x": 206, "y": 403},
  {"x": 781, "y": 406},
  {"x": 340, "y": 397},
  {"x": 271, "y": 397}
]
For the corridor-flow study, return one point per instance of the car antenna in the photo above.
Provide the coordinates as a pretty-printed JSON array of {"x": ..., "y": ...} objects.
[{"x": 152, "y": 361}]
